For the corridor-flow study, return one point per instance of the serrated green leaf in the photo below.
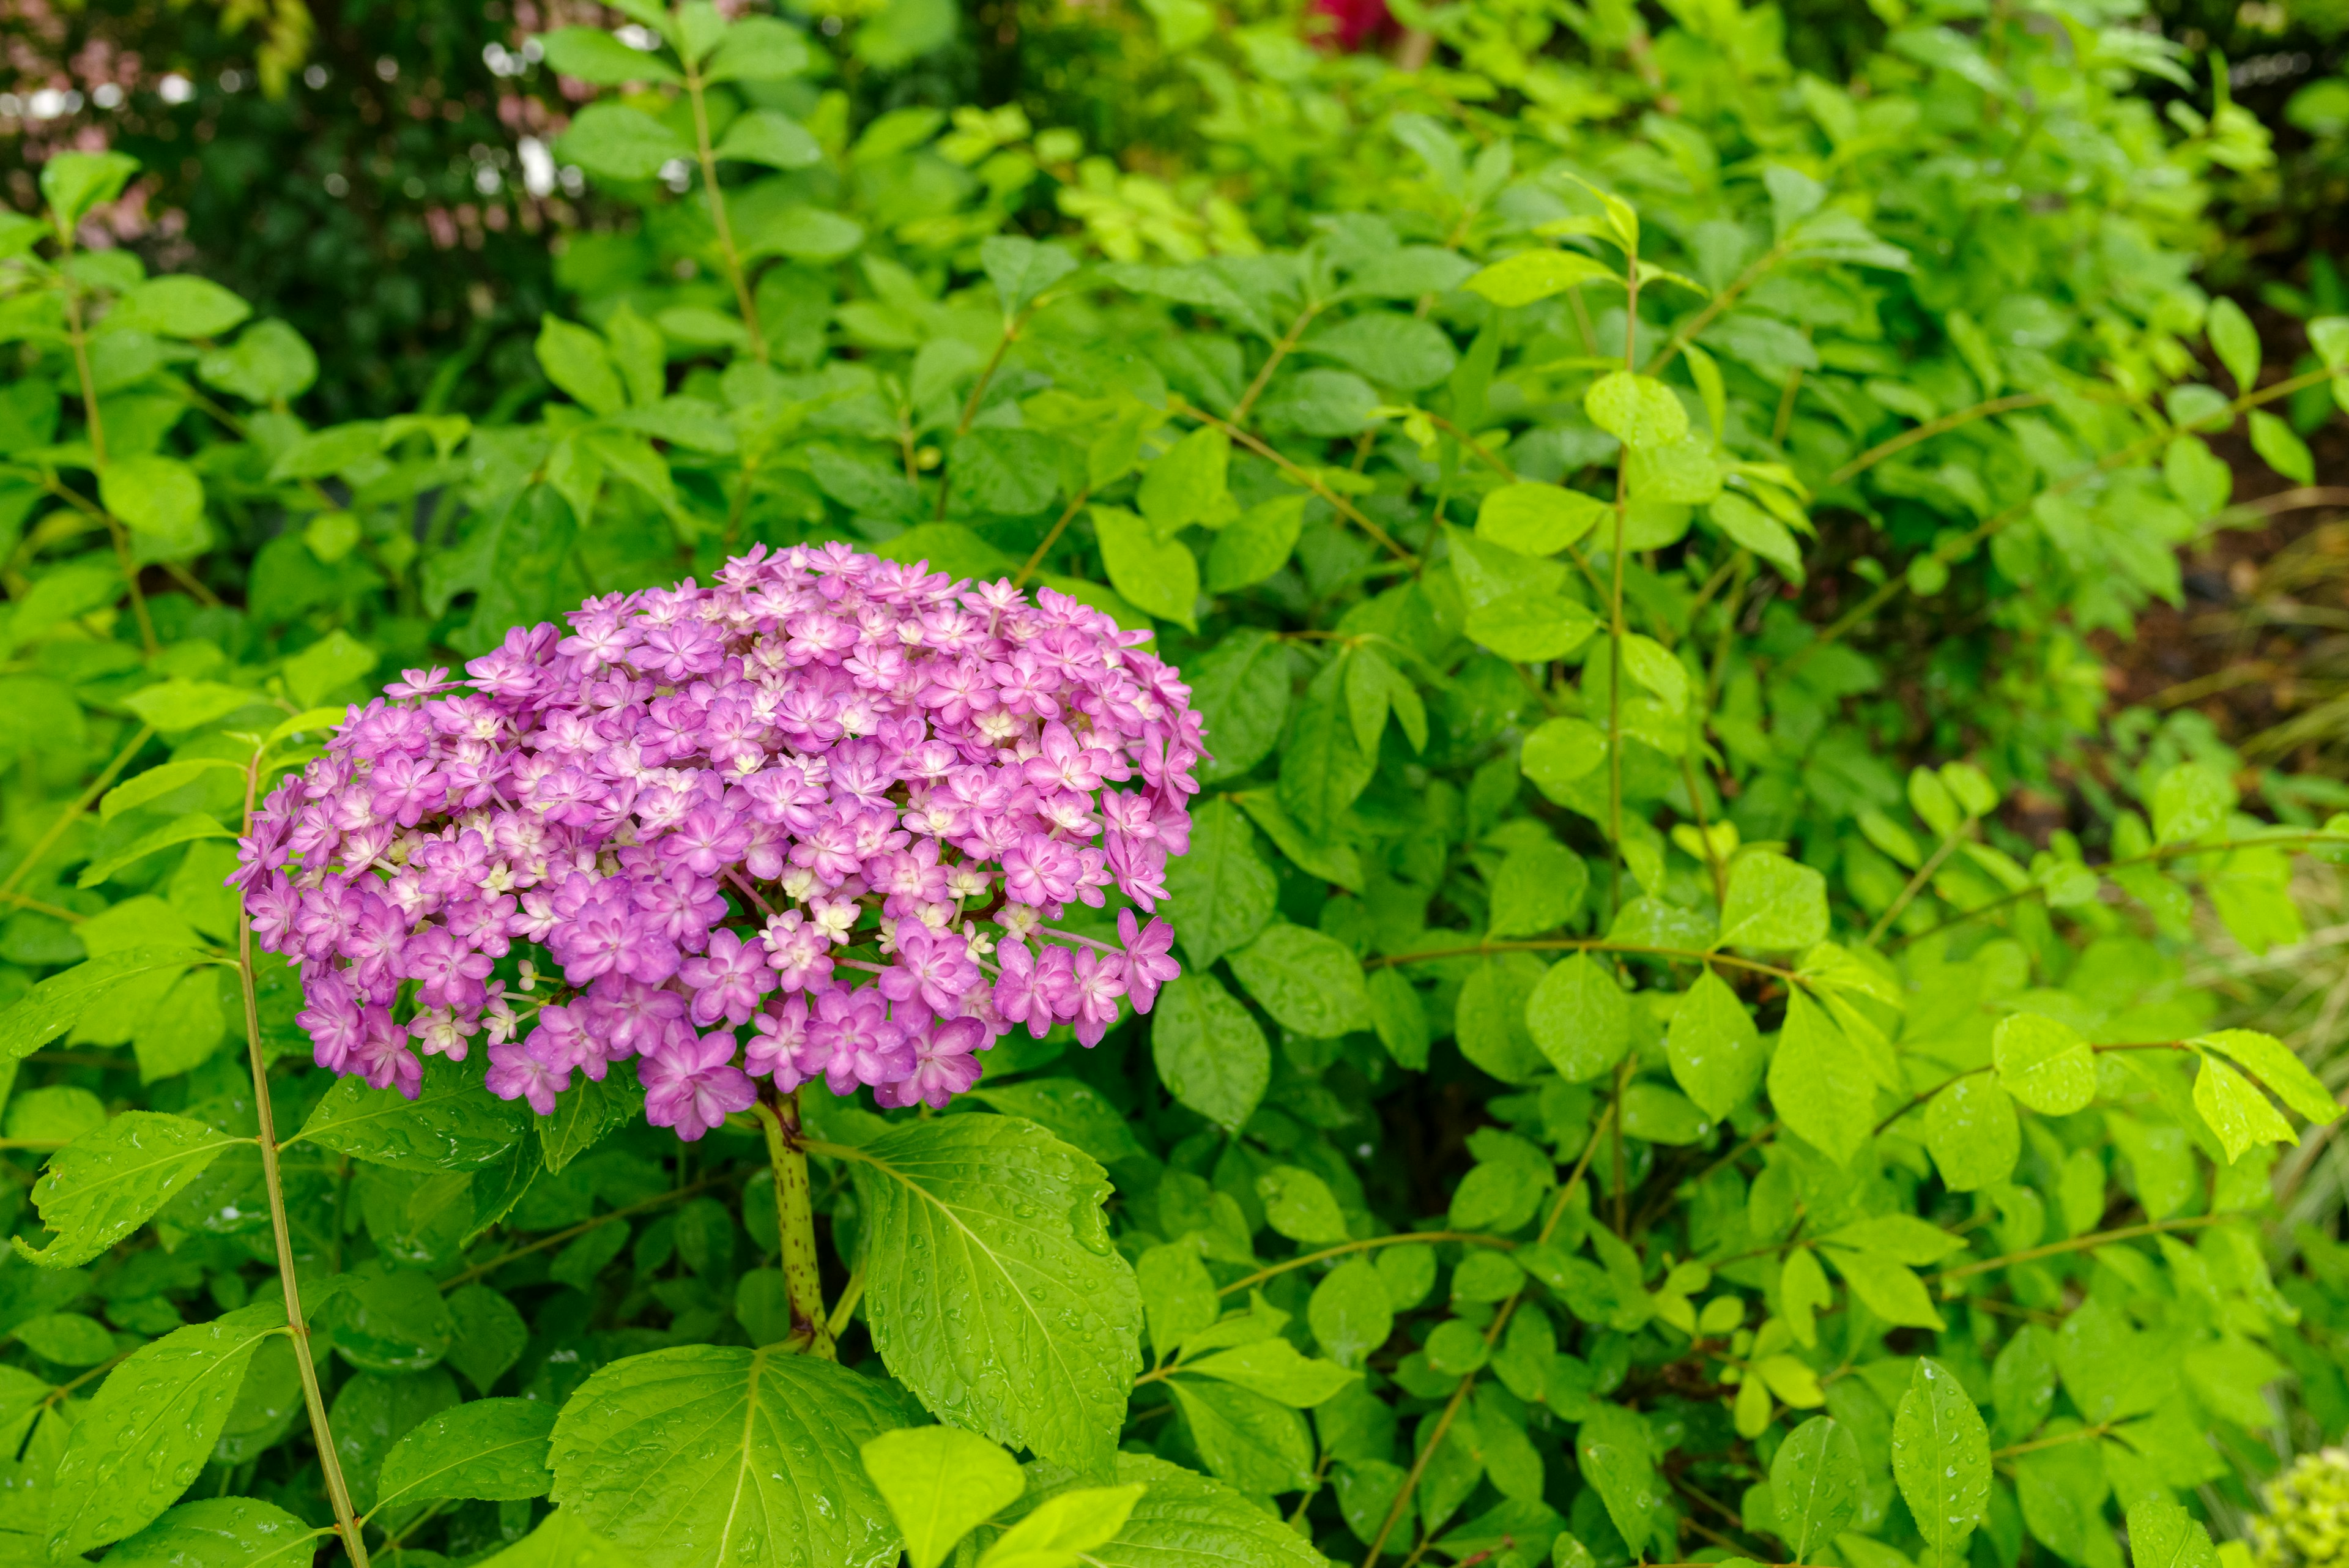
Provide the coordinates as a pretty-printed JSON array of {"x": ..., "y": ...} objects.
[
  {"x": 150, "y": 1427},
  {"x": 709, "y": 1454},
  {"x": 993, "y": 1293},
  {"x": 110, "y": 1180},
  {"x": 491, "y": 1449}
]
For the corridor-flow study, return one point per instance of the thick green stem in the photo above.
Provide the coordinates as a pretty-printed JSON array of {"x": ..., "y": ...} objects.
[
  {"x": 795, "y": 1223},
  {"x": 330, "y": 1463}
]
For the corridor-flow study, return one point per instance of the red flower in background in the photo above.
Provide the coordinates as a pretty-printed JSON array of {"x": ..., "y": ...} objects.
[{"x": 1353, "y": 22}]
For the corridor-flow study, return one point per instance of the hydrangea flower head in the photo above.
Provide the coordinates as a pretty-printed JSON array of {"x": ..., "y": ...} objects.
[{"x": 815, "y": 821}]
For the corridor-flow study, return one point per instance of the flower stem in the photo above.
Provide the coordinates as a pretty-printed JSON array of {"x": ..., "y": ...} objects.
[
  {"x": 330, "y": 1463},
  {"x": 795, "y": 1219}
]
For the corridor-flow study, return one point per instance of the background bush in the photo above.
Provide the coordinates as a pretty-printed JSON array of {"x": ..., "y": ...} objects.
[{"x": 1697, "y": 1004}]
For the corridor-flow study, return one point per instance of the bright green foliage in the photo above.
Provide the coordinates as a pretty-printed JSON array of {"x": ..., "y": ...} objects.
[{"x": 1635, "y": 1089}]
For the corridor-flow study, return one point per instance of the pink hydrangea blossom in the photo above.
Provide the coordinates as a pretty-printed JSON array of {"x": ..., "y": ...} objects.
[{"x": 844, "y": 802}]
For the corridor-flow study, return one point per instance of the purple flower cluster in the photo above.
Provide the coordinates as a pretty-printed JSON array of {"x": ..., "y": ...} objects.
[{"x": 702, "y": 804}]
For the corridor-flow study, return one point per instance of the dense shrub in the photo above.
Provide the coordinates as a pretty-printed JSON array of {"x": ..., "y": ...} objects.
[{"x": 1650, "y": 1077}]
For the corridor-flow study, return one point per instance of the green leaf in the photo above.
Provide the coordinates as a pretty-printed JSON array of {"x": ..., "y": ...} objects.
[
  {"x": 1531, "y": 626},
  {"x": 268, "y": 363},
  {"x": 1971, "y": 1131},
  {"x": 992, "y": 1290},
  {"x": 74, "y": 183},
  {"x": 2198, "y": 476},
  {"x": 1256, "y": 1444},
  {"x": 110, "y": 1180},
  {"x": 1538, "y": 888},
  {"x": 1004, "y": 472},
  {"x": 1538, "y": 519},
  {"x": 56, "y": 1004},
  {"x": 940, "y": 1482},
  {"x": 2281, "y": 448},
  {"x": 151, "y": 1427},
  {"x": 1208, "y": 1049},
  {"x": 388, "y": 1319},
  {"x": 183, "y": 307},
  {"x": 563, "y": 1541},
  {"x": 1298, "y": 1205},
  {"x": 1184, "y": 486},
  {"x": 1613, "y": 1446},
  {"x": 1940, "y": 1456},
  {"x": 1639, "y": 410},
  {"x": 1560, "y": 751},
  {"x": 1241, "y": 690},
  {"x": 1531, "y": 275},
  {"x": 616, "y": 142},
  {"x": 1309, "y": 983},
  {"x": 769, "y": 137},
  {"x": 709, "y": 1455},
  {"x": 595, "y": 56},
  {"x": 159, "y": 497},
  {"x": 2162, "y": 1534},
  {"x": 1775, "y": 904},
  {"x": 1715, "y": 1052},
  {"x": 159, "y": 782},
  {"x": 1749, "y": 528},
  {"x": 1399, "y": 1017},
  {"x": 491, "y": 1449},
  {"x": 221, "y": 1533},
  {"x": 1022, "y": 268},
  {"x": 491, "y": 1335},
  {"x": 1819, "y": 1083},
  {"x": 1580, "y": 1019},
  {"x": 1814, "y": 1484},
  {"x": 1157, "y": 575},
  {"x": 2235, "y": 341},
  {"x": 2239, "y": 1114},
  {"x": 1258, "y": 544},
  {"x": 1408, "y": 352},
  {"x": 2191, "y": 802},
  {"x": 68, "y": 1338},
  {"x": 2274, "y": 1065},
  {"x": 1186, "y": 1521},
  {"x": 1350, "y": 1313},
  {"x": 577, "y": 362},
  {"x": 176, "y": 706},
  {"x": 1221, "y": 894},
  {"x": 1062, "y": 1531},
  {"x": 183, "y": 830},
  {"x": 1658, "y": 1114},
  {"x": 454, "y": 1123},
  {"x": 1070, "y": 1110},
  {"x": 2044, "y": 1063},
  {"x": 1178, "y": 1294},
  {"x": 757, "y": 49},
  {"x": 1273, "y": 1368},
  {"x": 1891, "y": 1291}
]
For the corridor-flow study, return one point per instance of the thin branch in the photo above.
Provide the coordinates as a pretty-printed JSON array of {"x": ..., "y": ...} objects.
[
  {"x": 1930, "y": 429},
  {"x": 1303, "y": 475},
  {"x": 571, "y": 1233},
  {"x": 1951, "y": 551},
  {"x": 1036, "y": 559},
  {"x": 2151, "y": 858},
  {"x": 1326, "y": 1253},
  {"x": 2078, "y": 1244},
  {"x": 1584, "y": 944},
  {"x": 72, "y": 813},
  {"x": 1492, "y": 1337}
]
